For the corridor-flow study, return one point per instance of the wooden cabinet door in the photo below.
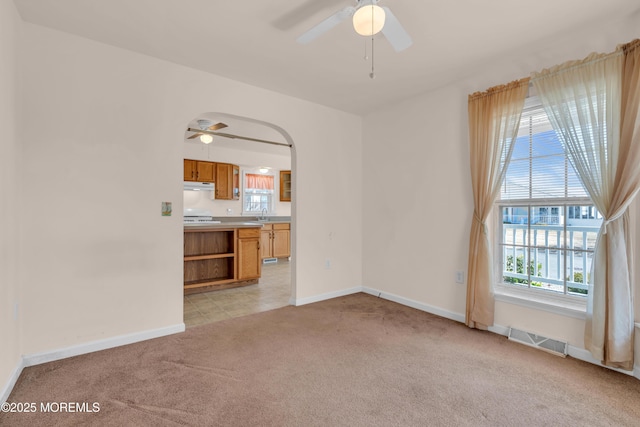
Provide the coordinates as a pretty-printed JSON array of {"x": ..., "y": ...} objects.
[
  {"x": 281, "y": 241},
  {"x": 248, "y": 258},
  {"x": 265, "y": 242},
  {"x": 285, "y": 186},
  {"x": 224, "y": 181},
  {"x": 235, "y": 187},
  {"x": 189, "y": 170},
  {"x": 206, "y": 172}
]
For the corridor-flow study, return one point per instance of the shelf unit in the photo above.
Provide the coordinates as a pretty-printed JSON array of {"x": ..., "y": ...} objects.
[
  {"x": 220, "y": 258},
  {"x": 209, "y": 257}
]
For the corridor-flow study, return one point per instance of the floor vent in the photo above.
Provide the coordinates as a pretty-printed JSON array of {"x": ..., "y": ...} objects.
[
  {"x": 559, "y": 348},
  {"x": 269, "y": 260}
]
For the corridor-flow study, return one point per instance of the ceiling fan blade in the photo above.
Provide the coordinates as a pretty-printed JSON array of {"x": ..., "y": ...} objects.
[
  {"x": 395, "y": 34},
  {"x": 217, "y": 126},
  {"x": 195, "y": 135},
  {"x": 326, "y": 25}
]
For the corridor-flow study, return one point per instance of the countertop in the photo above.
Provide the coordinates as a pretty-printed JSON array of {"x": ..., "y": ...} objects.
[
  {"x": 238, "y": 222},
  {"x": 223, "y": 225}
]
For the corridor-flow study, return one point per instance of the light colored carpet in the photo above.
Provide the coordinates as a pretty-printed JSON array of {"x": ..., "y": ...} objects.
[{"x": 351, "y": 361}]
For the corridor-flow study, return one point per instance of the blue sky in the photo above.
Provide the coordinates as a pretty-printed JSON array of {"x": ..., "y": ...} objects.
[{"x": 548, "y": 169}]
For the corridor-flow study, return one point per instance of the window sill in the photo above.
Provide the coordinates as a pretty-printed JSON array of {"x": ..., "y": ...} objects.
[{"x": 557, "y": 304}]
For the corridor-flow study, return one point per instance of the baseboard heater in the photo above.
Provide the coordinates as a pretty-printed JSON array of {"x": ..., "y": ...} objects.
[
  {"x": 269, "y": 260},
  {"x": 559, "y": 348}
]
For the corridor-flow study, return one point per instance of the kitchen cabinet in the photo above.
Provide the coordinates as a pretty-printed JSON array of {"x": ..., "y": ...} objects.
[
  {"x": 190, "y": 170},
  {"x": 220, "y": 258},
  {"x": 227, "y": 181},
  {"x": 285, "y": 186},
  {"x": 200, "y": 171},
  {"x": 248, "y": 253},
  {"x": 275, "y": 240}
]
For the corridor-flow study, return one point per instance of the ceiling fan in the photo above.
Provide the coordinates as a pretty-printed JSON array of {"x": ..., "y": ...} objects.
[
  {"x": 206, "y": 127},
  {"x": 368, "y": 19},
  {"x": 208, "y": 130}
]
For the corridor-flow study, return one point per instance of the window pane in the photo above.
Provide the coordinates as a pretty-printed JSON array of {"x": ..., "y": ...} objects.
[{"x": 547, "y": 240}]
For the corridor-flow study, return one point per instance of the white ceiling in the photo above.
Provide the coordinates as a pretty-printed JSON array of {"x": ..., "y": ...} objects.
[{"x": 254, "y": 41}]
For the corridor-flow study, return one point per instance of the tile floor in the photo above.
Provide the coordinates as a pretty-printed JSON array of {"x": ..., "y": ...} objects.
[{"x": 273, "y": 291}]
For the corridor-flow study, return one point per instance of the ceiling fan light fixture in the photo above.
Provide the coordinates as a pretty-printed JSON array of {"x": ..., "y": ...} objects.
[
  {"x": 368, "y": 20},
  {"x": 206, "y": 138}
]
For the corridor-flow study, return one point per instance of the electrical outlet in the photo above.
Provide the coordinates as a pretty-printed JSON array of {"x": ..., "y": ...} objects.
[
  {"x": 229, "y": 211},
  {"x": 460, "y": 277},
  {"x": 327, "y": 264}
]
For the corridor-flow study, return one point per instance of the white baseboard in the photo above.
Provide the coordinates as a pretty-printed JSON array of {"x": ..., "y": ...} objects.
[
  {"x": 6, "y": 390},
  {"x": 90, "y": 347},
  {"x": 585, "y": 356},
  {"x": 575, "y": 352},
  {"x": 323, "y": 297},
  {"x": 415, "y": 304},
  {"x": 500, "y": 330}
]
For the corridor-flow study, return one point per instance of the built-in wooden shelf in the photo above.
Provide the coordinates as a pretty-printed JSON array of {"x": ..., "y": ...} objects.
[{"x": 220, "y": 258}]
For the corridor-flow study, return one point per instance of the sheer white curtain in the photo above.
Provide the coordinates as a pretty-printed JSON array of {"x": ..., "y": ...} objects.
[
  {"x": 494, "y": 117},
  {"x": 583, "y": 102}
]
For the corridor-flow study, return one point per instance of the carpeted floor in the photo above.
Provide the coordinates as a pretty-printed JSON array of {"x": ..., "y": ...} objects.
[{"x": 351, "y": 361}]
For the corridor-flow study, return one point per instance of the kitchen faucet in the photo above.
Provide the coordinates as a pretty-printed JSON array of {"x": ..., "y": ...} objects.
[{"x": 263, "y": 216}]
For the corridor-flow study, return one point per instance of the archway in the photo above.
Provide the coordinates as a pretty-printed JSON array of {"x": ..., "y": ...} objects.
[{"x": 253, "y": 134}]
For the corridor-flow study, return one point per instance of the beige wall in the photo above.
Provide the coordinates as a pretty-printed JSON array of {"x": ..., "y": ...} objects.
[
  {"x": 417, "y": 198},
  {"x": 9, "y": 193},
  {"x": 100, "y": 261}
]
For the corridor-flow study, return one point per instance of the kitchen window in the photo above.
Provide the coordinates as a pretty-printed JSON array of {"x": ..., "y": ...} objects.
[
  {"x": 548, "y": 223},
  {"x": 258, "y": 194}
]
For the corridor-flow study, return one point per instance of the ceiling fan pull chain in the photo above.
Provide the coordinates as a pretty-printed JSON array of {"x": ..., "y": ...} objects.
[{"x": 372, "y": 74}]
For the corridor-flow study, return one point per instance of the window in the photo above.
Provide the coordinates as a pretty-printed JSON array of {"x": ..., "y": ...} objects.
[
  {"x": 549, "y": 224},
  {"x": 258, "y": 195}
]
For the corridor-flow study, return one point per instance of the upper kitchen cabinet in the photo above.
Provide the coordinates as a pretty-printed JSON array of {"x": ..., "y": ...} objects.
[
  {"x": 236, "y": 182},
  {"x": 227, "y": 181},
  {"x": 189, "y": 170},
  {"x": 285, "y": 186},
  {"x": 195, "y": 170}
]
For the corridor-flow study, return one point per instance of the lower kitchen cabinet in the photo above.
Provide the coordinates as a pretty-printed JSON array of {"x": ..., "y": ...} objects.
[
  {"x": 248, "y": 253},
  {"x": 220, "y": 258},
  {"x": 275, "y": 240}
]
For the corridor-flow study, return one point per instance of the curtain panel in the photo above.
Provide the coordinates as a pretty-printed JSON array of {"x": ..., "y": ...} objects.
[
  {"x": 260, "y": 182},
  {"x": 596, "y": 121},
  {"x": 494, "y": 117}
]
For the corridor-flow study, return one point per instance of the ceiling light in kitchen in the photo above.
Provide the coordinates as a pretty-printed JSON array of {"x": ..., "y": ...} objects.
[{"x": 206, "y": 139}]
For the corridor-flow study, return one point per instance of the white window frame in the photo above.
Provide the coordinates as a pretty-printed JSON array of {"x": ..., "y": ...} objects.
[
  {"x": 271, "y": 208},
  {"x": 528, "y": 296}
]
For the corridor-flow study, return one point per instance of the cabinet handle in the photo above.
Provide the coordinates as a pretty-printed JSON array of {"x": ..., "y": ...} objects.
[
  {"x": 198, "y": 174},
  {"x": 258, "y": 245},
  {"x": 192, "y": 174}
]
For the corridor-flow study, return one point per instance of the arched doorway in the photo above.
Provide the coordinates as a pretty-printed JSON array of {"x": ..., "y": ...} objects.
[{"x": 251, "y": 144}]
